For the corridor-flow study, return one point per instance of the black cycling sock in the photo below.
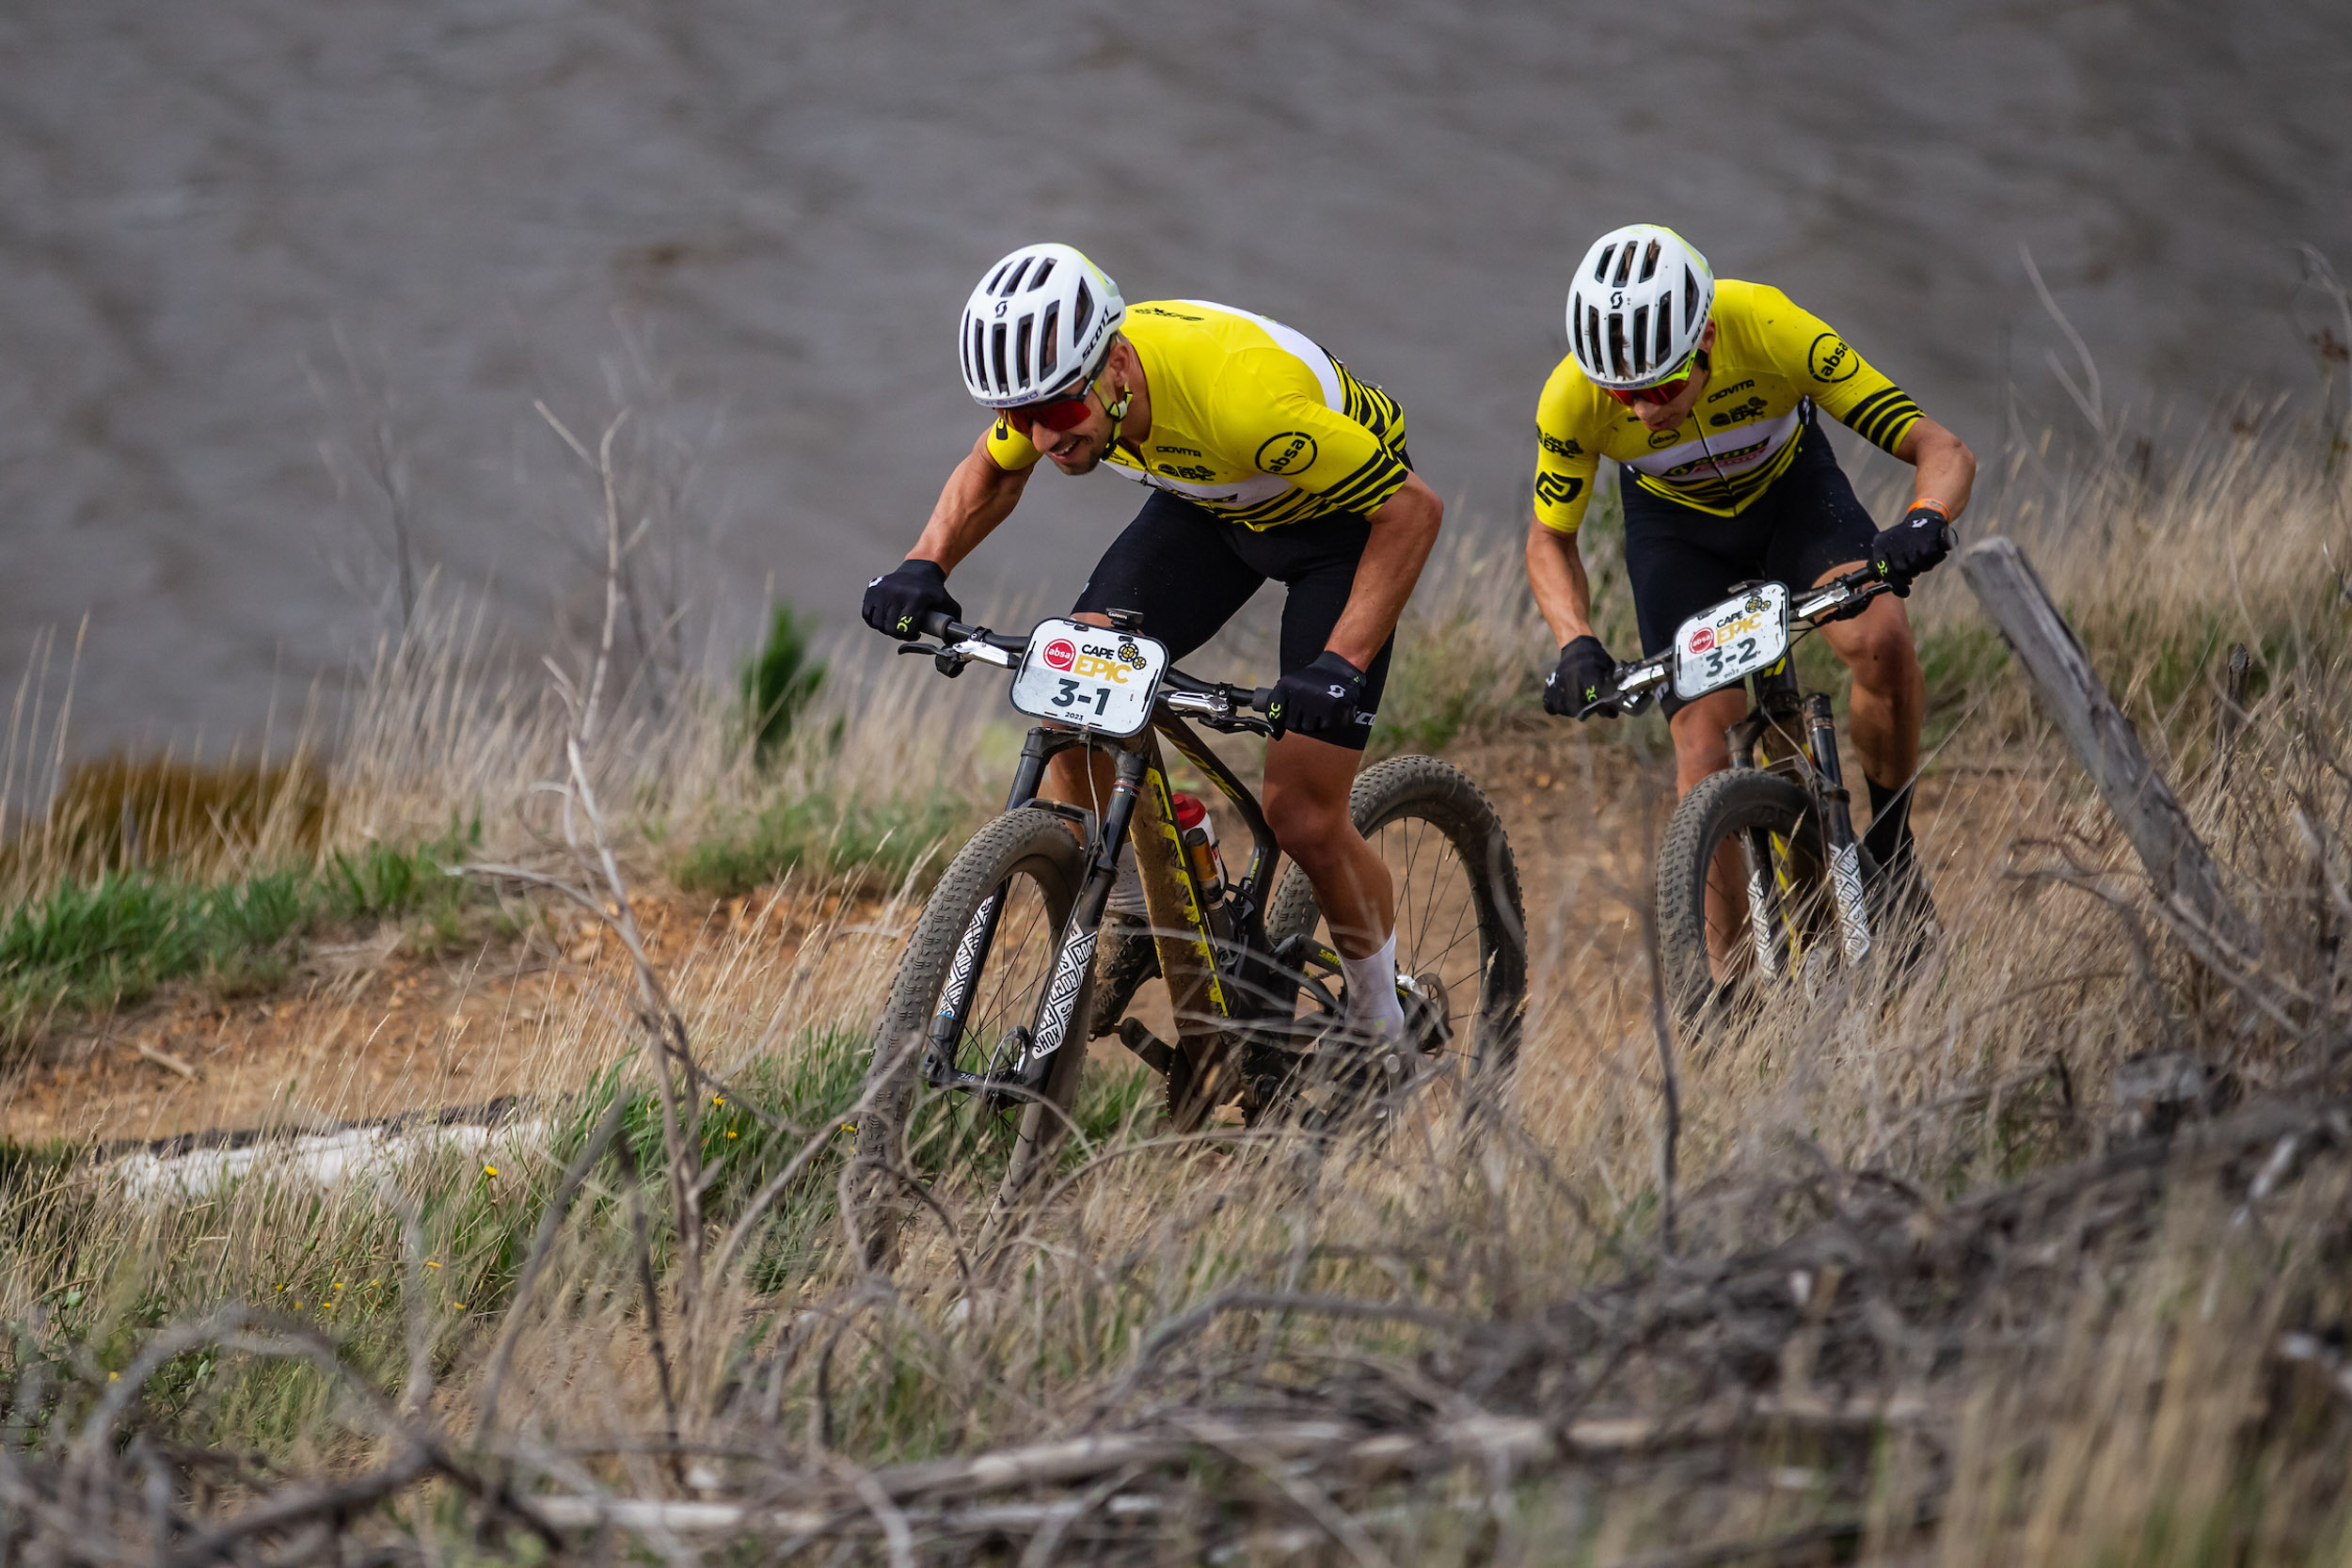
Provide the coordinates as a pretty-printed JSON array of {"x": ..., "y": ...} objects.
[{"x": 1888, "y": 837}]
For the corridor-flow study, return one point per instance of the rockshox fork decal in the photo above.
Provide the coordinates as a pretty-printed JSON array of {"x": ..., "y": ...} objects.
[
  {"x": 1763, "y": 904},
  {"x": 1760, "y": 928},
  {"x": 1069, "y": 974},
  {"x": 956, "y": 991},
  {"x": 1854, "y": 921}
]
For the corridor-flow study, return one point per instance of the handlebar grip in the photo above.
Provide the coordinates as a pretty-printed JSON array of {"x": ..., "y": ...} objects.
[
  {"x": 1262, "y": 698},
  {"x": 937, "y": 624}
]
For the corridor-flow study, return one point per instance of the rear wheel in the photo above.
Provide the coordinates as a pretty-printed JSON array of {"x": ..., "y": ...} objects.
[
  {"x": 961, "y": 1154},
  {"x": 1752, "y": 838},
  {"x": 1461, "y": 932}
]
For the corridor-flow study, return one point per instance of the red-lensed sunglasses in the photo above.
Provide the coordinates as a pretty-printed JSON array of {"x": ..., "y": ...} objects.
[
  {"x": 1665, "y": 391},
  {"x": 1062, "y": 414}
]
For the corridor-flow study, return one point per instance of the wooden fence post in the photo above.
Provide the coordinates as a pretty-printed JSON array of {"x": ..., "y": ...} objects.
[{"x": 2071, "y": 693}]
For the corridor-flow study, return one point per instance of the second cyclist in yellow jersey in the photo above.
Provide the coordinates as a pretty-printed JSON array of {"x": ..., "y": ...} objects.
[
  {"x": 1250, "y": 419},
  {"x": 1709, "y": 394},
  {"x": 1769, "y": 359}
]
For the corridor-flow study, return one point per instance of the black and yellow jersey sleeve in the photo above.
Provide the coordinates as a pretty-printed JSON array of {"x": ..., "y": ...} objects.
[
  {"x": 1567, "y": 449},
  {"x": 1771, "y": 360},
  {"x": 1008, "y": 449},
  {"x": 1812, "y": 356},
  {"x": 1336, "y": 456},
  {"x": 1249, "y": 419}
]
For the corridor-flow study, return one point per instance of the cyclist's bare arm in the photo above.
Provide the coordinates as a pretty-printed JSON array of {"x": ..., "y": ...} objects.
[
  {"x": 1555, "y": 570},
  {"x": 1403, "y": 528},
  {"x": 976, "y": 496},
  {"x": 1947, "y": 470}
]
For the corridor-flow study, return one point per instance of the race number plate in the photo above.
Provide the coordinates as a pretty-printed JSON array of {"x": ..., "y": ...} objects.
[
  {"x": 1088, "y": 677},
  {"x": 1731, "y": 641}
]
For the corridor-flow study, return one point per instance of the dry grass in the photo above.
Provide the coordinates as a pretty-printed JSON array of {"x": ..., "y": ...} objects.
[{"x": 1928, "y": 1295}]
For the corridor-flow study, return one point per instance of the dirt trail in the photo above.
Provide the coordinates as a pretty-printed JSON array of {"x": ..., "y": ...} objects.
[
  {"x": 371, "y": 1030},
  {"x": 374, "y": 1029}
]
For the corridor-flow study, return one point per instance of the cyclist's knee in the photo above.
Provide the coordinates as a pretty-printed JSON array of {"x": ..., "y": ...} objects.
[
  {"x": 1309, "y": 828},
  {"x": 1698, "y": 759},
  {"x": 1879, "y": 652},
  {"x": 1698, "y": 736}
]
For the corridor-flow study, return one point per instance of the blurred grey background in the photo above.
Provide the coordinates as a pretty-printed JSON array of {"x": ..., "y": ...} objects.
[{"x": 280, "y": 281}]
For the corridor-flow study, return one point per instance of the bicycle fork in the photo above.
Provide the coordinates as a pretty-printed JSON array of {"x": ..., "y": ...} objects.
[
  {"x": 1767, "y": 930},
  {"x": 1845, "y": 850},
  {"x": 1034, "y": 1058}
]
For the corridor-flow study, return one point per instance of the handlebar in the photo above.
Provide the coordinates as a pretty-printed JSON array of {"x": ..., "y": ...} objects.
[
  {"x": 1835, "y": 600},
  {"x": 1216, "y": 704}
]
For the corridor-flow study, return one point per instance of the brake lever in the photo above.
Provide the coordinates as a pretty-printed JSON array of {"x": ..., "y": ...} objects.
[{"x": 942, "y": 660}]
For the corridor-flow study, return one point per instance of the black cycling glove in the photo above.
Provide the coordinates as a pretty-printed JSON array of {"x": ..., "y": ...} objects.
[
  {"x": 1917, "y": 545},
  {"x": 1574, "y": 690},
  {"x": 896, "y": 602},
  {"x": 1321, "y": 699}
]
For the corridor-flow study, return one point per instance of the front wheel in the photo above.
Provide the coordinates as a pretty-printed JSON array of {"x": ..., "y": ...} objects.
[
  {"x": 1745, "y": 850},
  {"x": 1461, "y": 931},
  {"x": 990, "y": 933}
]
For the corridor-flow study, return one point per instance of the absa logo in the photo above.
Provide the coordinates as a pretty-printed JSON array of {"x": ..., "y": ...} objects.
[
  {"x": 1701, "y": 639},
  {"x": 1059, "y": 654}
]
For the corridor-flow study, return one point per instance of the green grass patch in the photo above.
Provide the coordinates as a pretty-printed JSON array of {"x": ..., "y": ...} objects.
[
  {"x": 112, "y": 941},
  {"x": 882, "y": 838}
]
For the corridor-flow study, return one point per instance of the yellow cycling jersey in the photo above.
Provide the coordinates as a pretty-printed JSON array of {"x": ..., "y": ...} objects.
[
  {"x": 1769, "y": 360},
  {"x": 1249, "y": 419}
]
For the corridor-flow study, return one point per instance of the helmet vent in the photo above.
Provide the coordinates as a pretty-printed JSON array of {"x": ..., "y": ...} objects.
[
  {"x": 1037, "y": 321},
  {"x": 1638, "y": 302}
]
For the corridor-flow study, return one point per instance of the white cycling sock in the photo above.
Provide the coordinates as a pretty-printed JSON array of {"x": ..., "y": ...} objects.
[
  {"x": 1127, "y": 893},
  {"x": 1373, "y": 1012}
]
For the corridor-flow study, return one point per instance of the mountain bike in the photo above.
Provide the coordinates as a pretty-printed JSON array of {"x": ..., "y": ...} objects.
[
  {"x": 1772, "y": 835},
  {"x": 977, "y": 1062}
]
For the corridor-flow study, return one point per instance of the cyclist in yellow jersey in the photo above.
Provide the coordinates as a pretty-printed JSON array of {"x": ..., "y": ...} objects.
[
  {"x": 1709, "y": 394},
  {"x": 1265, "y": 459}
]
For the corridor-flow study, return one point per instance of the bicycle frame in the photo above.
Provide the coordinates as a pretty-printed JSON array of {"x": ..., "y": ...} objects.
[
  {"x": 1220, "y": 968},
  {"x": 1811, "y": 758}
]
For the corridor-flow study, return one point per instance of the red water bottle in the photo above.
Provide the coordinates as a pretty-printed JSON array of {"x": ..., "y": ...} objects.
[{"x": 1198, "y": 829}]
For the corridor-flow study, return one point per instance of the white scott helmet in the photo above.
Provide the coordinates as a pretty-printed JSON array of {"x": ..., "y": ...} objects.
[
  {"x": 1637, "y": 305},
  {"x": 1036, "y": 325}
]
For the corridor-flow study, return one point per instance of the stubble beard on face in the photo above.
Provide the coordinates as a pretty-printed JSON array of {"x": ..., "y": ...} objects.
[{"x": 1084, "y": 460}]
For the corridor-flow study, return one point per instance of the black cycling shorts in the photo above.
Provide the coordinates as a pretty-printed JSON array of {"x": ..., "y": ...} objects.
[
  {"x": 1189, "y": 571},
  {"x": 1681, "y": 560}
]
